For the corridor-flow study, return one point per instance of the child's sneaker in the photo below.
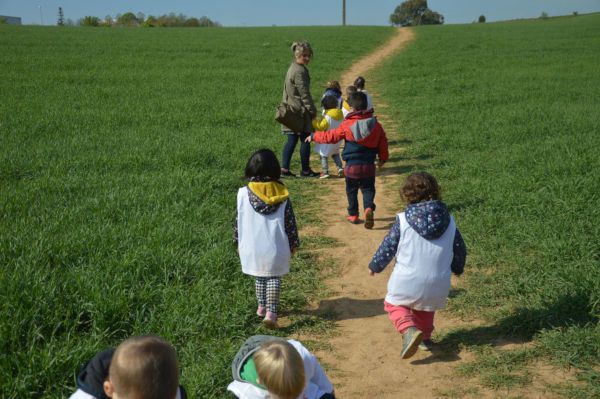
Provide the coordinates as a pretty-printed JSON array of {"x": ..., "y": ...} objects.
[
  {"x": 369, "y": 220},
  {"x": 410, "y": 342},
  {"x": 270, "y": 320},
  {"x": 353, "y": 219},
  {"x": 341, "y": 172},
  {"x": 324, "y": 175},
  {"x": 261, "y": 311},
  {"x": 309, "y": 173},
  {"x": 426, "y": 345}
]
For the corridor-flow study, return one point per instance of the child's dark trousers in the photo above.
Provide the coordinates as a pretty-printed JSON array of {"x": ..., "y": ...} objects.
[{"x": 367, "y": 187}]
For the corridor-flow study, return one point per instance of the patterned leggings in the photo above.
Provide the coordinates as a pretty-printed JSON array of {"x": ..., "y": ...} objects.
[{"x": 267, "y": 292}]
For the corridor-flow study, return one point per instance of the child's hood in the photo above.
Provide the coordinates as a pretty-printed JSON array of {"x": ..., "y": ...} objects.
[
  {"x": 363, "y": 124},
  {"x": 265, "y": 197},
  {"x": 430, "y": 218},
  {"x": 335, "y": 113},
  {"x": 91, "y": 378}
]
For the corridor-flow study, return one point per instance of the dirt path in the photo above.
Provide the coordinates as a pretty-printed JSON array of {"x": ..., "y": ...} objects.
[{"x": 364, "y": 355}]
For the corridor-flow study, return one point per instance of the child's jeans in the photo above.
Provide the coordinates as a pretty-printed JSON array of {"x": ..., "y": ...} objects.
[
  {"x": 367, "y": 187},
  {"x": 325, "y": 166},
  {"x": 403, "y": 317},
  {"x": 267, "y": 292}
]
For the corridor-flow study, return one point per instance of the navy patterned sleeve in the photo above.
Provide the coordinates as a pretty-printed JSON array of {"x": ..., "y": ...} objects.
[
  {"x": 387, "y": 250},
  {"x": 460, "y": 255},
  {"x": 290, "y": 227}
]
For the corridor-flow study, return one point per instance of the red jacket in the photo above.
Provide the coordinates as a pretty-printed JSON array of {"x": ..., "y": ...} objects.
[{"x": 364, "y": 136}]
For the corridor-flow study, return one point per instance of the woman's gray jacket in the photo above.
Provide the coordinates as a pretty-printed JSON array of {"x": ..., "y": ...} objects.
[{"x": 296, "y": 93}]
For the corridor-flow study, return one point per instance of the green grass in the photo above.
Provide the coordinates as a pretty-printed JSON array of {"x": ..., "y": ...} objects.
[
  {"x": 505, "y": 115},
  {"x": 121, "y": 151}
]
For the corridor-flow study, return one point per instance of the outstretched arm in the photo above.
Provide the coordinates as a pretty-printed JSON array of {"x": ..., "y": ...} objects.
[
  {"x": 460, "y": 254},
  {"x": 290, "y": 227},
  {"x": 328, "y": 137},
  {"x": 387, "y": 250}
]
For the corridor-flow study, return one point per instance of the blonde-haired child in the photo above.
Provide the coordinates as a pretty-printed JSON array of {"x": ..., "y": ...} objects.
[
  {"x": 140, "y": 367},
  {"x": 333, "y": 88},
  {"x": 272, "y": 367},
  {"x": 428, "y": 247},
  {"x": 332, "y": 118}
]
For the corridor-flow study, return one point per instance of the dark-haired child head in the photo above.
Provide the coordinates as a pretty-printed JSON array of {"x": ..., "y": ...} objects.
[
  {"x": 263, "y": 166},
  {"x": 329, "y": 102},
  {"x": 358, "y": 101},
  {"x": 420, "y": 187},
  {"x": 360, "y": 83}
]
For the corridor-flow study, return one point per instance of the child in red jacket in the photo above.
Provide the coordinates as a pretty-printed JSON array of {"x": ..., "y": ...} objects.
[{"x": 365, "y": 140}]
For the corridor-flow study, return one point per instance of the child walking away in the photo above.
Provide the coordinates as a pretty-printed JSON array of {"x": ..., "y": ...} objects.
[
  {"x": 365, "y": 140},
  {"x": 140, "y": 367},
  {"x": 265, "y": 231},
  {"x": 332, "y": 118},
  {"x": 333, "y": 89},
  {"x": 427, "y": 246},
  {"x": 346, "y": 103},
  {"x": 359, "y": 83},
  {"x": 272, "y": 367}
]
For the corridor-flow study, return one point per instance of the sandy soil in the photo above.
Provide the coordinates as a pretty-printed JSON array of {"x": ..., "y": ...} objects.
[{"x": 364, "y": 356}]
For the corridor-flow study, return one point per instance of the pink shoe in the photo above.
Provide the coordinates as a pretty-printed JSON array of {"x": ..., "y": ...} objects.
[
  {"x": 270, "y": 320},
  {"x": 261, "y": 311}
]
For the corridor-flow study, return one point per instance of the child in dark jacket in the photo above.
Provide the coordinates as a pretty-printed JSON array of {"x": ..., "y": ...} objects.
[
  {"x": 427, "y": 246},
  {"x": 365, "y": 140}
]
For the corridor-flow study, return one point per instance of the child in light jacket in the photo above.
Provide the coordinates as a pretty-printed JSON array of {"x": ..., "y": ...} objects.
[
  {"x": 265, "y": 231},
  {"x": 428, "y": 247},
  {"x": 268, "y": 367},
  {"x": 332, "y": 118}
]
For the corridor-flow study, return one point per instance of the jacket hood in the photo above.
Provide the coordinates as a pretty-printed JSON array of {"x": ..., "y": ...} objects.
[
  {"x": 430, "y": 218},
  {"x": 335, "y": 113},
  {"x": 363, "y": 125},
  {"x": 265, "y": 197},
  {"x": 91, "y": 378}
]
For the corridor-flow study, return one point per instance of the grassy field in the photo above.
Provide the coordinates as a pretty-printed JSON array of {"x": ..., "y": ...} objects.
[
  {"x": 121, "y": 152},
  {"x": 506, "y": 115}
]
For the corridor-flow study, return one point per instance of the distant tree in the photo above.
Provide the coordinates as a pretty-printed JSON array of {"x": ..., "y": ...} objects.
[
  {"x": 150, "y": 22},
  {"x": 61, "y": 17},
  {"x": 575, "y": 13},
  {"x": 127, "y": 19},
  {"x": 415, "y": 12},
  {"x": 544, "y": 15},
  {"x": 481, "y": 19},
  {"x": 140, "y": 17},
  {"x": 89, "y": 20},
  {"x": 108, "y": 20},
  {"x": 191, "y": 22}
]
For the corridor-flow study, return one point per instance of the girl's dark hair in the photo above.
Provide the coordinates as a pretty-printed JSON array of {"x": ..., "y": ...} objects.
[
  {"x": 419, "y": 187},
  {"x": 350, "y": 90},
  {"x": 263, "y": 164},
  {"x": 329, "y": 102},
  {"x": 359, "y": 83}
]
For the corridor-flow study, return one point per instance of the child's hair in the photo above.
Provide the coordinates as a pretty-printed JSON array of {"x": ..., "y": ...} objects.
[
  {"x": 263, "y": 165},
  {"x": 329, "y": 102},
  {"x": 299, "y": 48},
  {"x": 350, "y": 90},
  {"x": 360, "y": 83},
  {"x": 280, "y": 369},
  {"x": 144, "y": 367},
  {"x": 419, "y": 187},
  {"x": 358, "y": 101},
  {"x": 334, "y": 84}
]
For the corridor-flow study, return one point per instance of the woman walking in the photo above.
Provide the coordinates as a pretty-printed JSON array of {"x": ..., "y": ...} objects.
[{"x": 296, "y": 93}]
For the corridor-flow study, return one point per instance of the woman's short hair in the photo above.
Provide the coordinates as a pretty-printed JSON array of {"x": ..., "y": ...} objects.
[
  {"x": 299, "y": 48},
  {"x": 280, "y": 369},
  {"x": 145, "y": 367},
  {"x": 263, "y": 165},
  {"x": 419, "y": 187}
]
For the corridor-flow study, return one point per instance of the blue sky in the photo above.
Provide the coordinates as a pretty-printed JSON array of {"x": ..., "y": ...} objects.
[{"x": 288, "y": 12}]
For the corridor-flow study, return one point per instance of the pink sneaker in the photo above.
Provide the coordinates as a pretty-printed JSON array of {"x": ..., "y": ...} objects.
[
  {"x": 261, "y": 311},
  {"x": 270, "y": 320},
  {"x": 353, "y": 219}
]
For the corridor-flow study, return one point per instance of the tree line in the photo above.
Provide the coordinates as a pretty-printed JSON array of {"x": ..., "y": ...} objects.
[{"x": 130, "y": 19}]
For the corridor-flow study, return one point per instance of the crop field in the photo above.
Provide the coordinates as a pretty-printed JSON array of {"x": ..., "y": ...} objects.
[
  {"x": 121, "y": 152},
  {"x": 507, "y": 116}
]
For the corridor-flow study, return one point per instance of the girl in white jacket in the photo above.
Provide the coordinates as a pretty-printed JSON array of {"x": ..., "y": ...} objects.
[
  {"x": 265, "y": 231},
  {"x": 332, "y": 118}
]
